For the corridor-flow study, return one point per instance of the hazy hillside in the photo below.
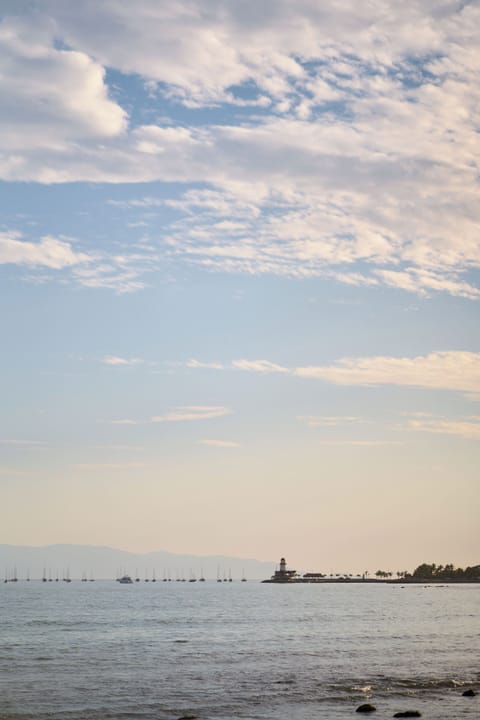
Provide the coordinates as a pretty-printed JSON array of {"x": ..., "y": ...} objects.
[{"x": 105, "y": 562}]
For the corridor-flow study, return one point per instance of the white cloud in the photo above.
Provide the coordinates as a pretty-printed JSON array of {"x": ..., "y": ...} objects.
[
  {"x": 362, "y": 165},
  {"x": 468, "y": 428},
  {"x": 146, "y": 202},
  {"x": 259, "y": 366},
  {"x": 442, "y": 370},
  {"x": 328, "y": 231},
  {"x": 192, "y": 412},
  {"x": 206, "y": 365},
  {"x": 110, "y": 278},
  {"x": 115, "y": 360},
  {"x": 95, "y": 269},
  {"x": 184, "y": 413},
  {"x": 200, "y": 49},
  {"x": 421, "y": 281},
  {"x": 49, "y": 252},
  {"x": 50, "y": 96},
  {"x": 153, "y": 140},
  {"x": 451, "y": 370},
  {"x": 196, "y": 50}
]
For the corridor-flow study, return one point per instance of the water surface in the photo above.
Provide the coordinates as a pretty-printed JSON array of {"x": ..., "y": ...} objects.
[{"x": 94, "y": 651}]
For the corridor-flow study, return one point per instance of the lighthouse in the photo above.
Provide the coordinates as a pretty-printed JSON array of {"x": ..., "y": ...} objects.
[{"x": 283, "y": 575}]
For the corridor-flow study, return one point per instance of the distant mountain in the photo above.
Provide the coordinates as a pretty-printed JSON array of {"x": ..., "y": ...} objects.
[{"x": 106, "y": 562}]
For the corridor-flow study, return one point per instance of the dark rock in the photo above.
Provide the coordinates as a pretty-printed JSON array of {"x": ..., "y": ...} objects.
[
  {"x": 285, "y": 682},
  {"x": 366, "y": 708},
  {"x": 408, "y": 713},
  {"x": 469, "y": 693},
  {"x": 188, "y": 717}
]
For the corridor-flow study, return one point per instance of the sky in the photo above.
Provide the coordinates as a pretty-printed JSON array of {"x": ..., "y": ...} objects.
[{"x": 239, "y": 261}]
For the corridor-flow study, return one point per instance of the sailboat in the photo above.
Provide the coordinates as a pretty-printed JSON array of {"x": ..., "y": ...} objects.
[{"x": 125, "y": 580}]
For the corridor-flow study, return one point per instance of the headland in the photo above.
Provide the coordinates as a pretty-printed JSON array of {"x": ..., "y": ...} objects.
[{"x": 424, "y": 574}]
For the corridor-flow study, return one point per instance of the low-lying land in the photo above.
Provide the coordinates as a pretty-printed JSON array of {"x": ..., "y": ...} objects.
[{"x": 424, "y": 573}]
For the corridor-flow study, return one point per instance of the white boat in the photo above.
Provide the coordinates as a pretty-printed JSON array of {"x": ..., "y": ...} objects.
[{"x": 125, "y": 580}]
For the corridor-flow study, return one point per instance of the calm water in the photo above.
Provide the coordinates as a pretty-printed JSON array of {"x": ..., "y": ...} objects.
[{"x": 88, "y": 651}]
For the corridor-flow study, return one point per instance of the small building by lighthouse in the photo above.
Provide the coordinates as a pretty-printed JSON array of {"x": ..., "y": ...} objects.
[{"x": 282, "y": 575}]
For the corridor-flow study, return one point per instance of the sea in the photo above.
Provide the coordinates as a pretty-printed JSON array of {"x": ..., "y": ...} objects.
[{"x": 168, "y": 650}]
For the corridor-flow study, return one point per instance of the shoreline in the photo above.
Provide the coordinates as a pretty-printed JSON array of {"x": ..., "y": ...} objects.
[
  {"x": 369, "y": 581},
  {"x": 433, "y": 576}
]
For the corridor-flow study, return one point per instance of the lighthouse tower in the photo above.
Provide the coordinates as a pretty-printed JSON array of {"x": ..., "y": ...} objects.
[{"x": 283, "y": 575}]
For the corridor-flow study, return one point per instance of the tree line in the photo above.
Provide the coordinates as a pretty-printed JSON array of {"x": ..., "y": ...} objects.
[{"x": 427, "y": 571}]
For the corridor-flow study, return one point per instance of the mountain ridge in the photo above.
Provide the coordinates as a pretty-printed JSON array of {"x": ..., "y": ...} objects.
[{"x": 102, "y": 561}]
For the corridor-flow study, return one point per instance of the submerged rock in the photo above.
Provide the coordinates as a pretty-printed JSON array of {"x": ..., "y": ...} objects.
[
  {"x": 469, "y": 693},
  {"x": 285, "y": 682},
  {"x": 408, "y": 713},
  {"x": 366, "y": 708}
]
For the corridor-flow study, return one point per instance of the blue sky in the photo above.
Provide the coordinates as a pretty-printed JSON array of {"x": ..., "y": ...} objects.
[{"x": 239, "y": 258}]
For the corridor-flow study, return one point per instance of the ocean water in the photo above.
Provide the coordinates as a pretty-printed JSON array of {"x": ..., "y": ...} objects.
[{"x": 88, "y": 651}]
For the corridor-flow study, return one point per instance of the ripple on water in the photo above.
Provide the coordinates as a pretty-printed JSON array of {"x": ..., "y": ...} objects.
[{"x": 260, "y": 653}]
